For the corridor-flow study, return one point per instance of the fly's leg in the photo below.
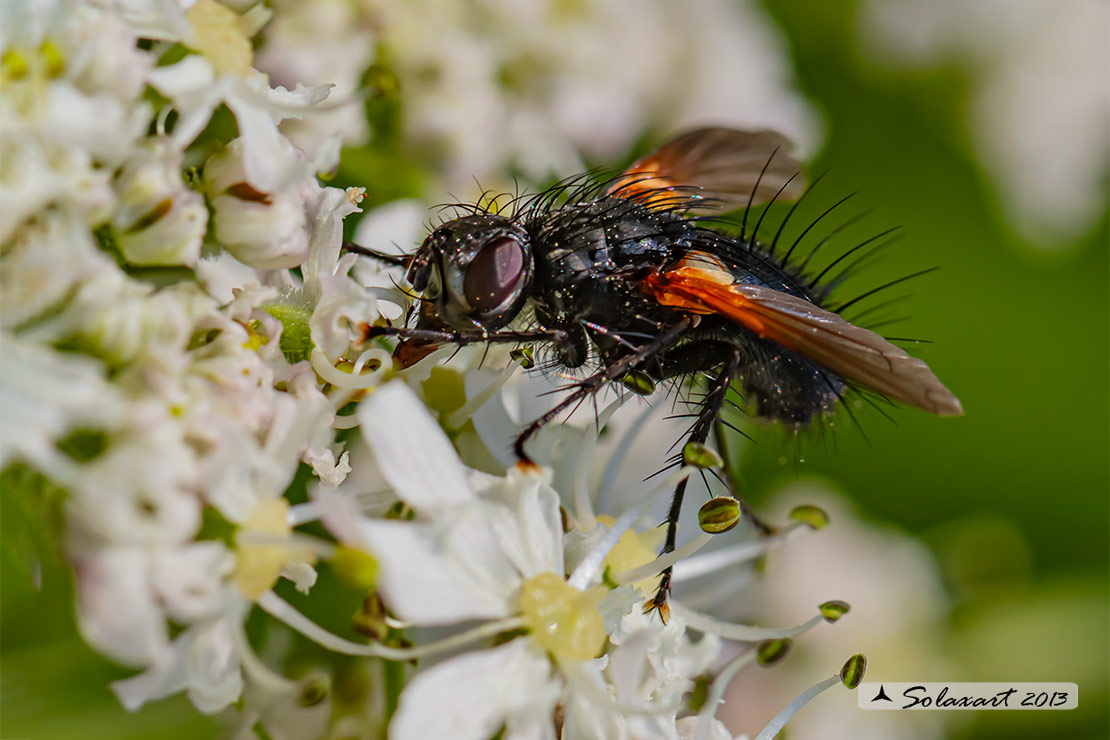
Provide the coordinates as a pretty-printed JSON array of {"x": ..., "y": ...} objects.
[
  {"x": 468, "y": 336},
  {"x": 592, "y": 384},
  {"x": 699, "y": 433},
  {"x": 389, "y": 259}
]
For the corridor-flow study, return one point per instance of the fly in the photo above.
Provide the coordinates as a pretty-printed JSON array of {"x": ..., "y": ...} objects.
[{"x": 626, "y": 274}]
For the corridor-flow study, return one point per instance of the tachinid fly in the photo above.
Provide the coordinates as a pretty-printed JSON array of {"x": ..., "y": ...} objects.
[{"x": 626, "y": 275}]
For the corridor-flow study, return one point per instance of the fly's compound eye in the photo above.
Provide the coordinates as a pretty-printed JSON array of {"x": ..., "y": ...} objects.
[
  {"x": 418, "y": 274},
  {"x": 494, "y": 274}
]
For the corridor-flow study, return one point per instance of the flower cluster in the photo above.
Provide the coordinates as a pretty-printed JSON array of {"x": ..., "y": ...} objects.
[
  {"x": 494, "y": 87},
  {"x": 182, "y": 335},
  {"x": 155, "y": 344}
]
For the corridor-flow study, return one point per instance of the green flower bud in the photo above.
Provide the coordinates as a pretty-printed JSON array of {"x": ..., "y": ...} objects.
[
  {"x": 639, "y": 383},
  {"x": 700, "y": 456},
  {"x": 719, "y": 514},
  {"x": 354, "y": 566},
  {"x": 296, "y": 339},
  {"x": 524, "y": 356},
  {"x": 834, "y": 610},
  {"x": 813, "y": 516},
  {"x": 369, "y": 619},
  {"x": 852, "y": 672},
  {"x": 314, "y": 690},
  {"x": 769, "y": 652},
  {"x": 700, "y": 693}
]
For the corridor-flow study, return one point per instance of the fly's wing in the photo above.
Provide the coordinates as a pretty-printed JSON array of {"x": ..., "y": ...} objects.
[
  {"x": 700, "y": 284},
  {"x": 725, "y": 167}
]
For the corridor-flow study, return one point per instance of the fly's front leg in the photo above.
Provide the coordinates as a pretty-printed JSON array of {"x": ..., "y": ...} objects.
[
  {"x": 416, "y": 343},
  {"x": 468, "y": 336},
  {"x": 592, "y": 384},
  {"x": 401, "y": 260}
]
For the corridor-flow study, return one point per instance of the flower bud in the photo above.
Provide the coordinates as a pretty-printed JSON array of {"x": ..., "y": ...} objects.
[
  {"x": 639, "y": 383},
  {"x": 354, "y": 566},
  {"x": 269, "y": 236},
  {"x": 769, "y": 652},
  {"x": 834, "y": 610},
  {"x": 719, "y": 514},
  {"x": 314, "y": 690},
  {"x": 813, "y": 516},
  {"x": 370, "y": 620},
  {"x": 700, "y": 456},
  {"x": 524, "y": 356},
  {"x": 159, "y": 220},
  {"x": 296, "y": 339},
  {"x": 852, "y": 673},
  {"x": 264, "y": 230}
]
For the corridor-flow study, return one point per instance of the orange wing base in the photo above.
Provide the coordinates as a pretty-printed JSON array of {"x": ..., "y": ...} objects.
[{"x": 700, "y": 284}]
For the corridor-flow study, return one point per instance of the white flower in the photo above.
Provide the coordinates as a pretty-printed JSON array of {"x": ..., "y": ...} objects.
[
  {"x": 262, "y": 227},
  {"x": 44, "y": 263},
  {"x": 203, "y": 660},
  {"x": 492, "y": 548},
  {"x": 106, "y": 579},
  {"x": 897, "y": 600},
  {"x": 196, "y": 90},
  {"x": 478, "y": 692},
  {"x": 501, "y": 85},
  {"x": 330, "y": 471},
  {"x": 159, "y": 221},
  {"x": 44, "y": 396},
  {"x": 293, "y": 53}
]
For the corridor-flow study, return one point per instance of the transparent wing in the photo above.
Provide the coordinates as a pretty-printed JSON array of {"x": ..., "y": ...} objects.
[{"x": 725, "y": 167}]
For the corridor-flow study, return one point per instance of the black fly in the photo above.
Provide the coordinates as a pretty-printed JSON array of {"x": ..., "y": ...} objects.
[{"x": 623, "y": 273}]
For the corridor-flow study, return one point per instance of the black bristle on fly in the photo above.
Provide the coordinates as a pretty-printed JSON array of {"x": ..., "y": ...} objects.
[{"x": 639, "y": 271}]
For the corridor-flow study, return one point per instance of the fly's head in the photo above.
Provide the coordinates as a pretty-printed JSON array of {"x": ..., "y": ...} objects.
[{"x": 477, "y": 270}]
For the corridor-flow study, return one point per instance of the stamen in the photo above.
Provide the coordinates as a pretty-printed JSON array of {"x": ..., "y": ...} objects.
[
  {"x": 260, "y": 673},
  {"x": 303, "y": 513},
  {"x": 282, "y": 610},
  {"x": 743, "y": 632},
  {"x": 583, "y": 506},
  {"x": 663, "y": 562},
  {"x": 459, "y": 416},
  {"x": 717, "y": 692},
  {"x": 729, "y": 556},
  {"x": 296, "y": 541},
  {"x": 590, "y": 566},
  {"x": 345, "y": 422},
  {"x": 779, "y": 720},
  {"x": 396, "y": 624},
  {"x": 350, "y": 381}
]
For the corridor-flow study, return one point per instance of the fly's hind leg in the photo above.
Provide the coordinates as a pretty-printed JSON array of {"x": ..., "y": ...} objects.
[{"x": 727, "y": 359}]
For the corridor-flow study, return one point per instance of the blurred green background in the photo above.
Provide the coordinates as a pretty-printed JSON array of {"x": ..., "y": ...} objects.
[{"x": 1013, "y": 497}]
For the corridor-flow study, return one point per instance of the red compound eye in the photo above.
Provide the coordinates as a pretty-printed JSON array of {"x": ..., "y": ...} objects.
[{"x": 494, "y": 274}]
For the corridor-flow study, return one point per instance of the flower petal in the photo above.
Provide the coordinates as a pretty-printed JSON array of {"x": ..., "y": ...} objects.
[
  {"x": 412, "y": 451},
  {"x": 427, "y": 581},
  {"x": 471, "y": 696},
  {"x": 106, "y": 580}
]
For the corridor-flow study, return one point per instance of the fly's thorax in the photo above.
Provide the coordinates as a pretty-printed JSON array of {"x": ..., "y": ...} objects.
[
  {"x": 477, "y": 270},
  {"x": 591, "y": 256}
]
